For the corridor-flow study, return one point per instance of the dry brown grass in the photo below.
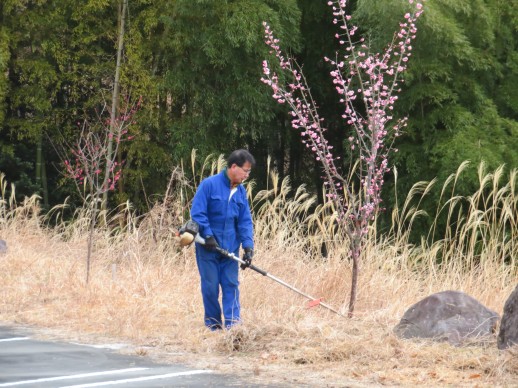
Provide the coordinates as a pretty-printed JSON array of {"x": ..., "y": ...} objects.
[{"x": 145, "y": 291}]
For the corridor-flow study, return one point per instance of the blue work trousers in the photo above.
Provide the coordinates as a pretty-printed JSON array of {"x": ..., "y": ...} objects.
[{"x": 218, "y": 271}]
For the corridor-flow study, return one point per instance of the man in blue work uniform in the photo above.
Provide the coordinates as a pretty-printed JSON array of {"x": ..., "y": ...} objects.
[{"x": 220, "y": 207}]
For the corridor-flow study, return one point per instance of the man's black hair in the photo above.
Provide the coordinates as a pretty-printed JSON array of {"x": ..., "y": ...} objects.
[{"x": 240, "y": 157}]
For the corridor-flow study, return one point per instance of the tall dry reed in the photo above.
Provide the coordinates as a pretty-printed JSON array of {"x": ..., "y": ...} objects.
[{"x": 144, "y": 289}]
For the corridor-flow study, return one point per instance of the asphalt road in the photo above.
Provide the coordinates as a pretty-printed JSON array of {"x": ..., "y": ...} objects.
[{"x": 26, "y": 362}]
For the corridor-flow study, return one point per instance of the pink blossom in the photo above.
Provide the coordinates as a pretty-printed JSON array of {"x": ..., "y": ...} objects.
[{"x": 370, "y": 128}]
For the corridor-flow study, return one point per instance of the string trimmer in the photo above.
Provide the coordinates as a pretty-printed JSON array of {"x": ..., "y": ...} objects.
[{"x": 188, "y": 233}]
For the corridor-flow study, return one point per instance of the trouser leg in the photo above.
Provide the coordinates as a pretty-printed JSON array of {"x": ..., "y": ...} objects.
[
  {"x": 229, "y": 270},
  {"x": 208, "y": 268}
]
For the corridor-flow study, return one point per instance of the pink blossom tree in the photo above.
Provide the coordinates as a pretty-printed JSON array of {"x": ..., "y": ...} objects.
[
  {"x": 93, "y": 163},
  {"x": 367, "y": 84}
]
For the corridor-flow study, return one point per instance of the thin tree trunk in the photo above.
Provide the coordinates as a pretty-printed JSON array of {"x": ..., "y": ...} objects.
[
  {"x": 41, "y": 173},
  {"x": 93, "y": 219},
  {"x": 44, "y": 184},
  {"x": 355, "y": 255},
  {"x": 39, "y": 148},
  {"x": 115, "y": 100}
]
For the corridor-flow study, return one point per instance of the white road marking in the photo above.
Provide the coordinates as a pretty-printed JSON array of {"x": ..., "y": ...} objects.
[
  {"x": 14, "y": 339},
  {"x": 79, "y": 376},
  {"x": 103, "y": 346},
  {"x": 136, "y": 379}
]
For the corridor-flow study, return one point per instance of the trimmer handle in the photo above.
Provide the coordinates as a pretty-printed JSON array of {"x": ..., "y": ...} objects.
[{"x": 230, "y": 255}]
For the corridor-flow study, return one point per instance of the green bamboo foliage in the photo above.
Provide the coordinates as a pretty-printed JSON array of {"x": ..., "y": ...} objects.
[
  {"x": 459, "y": 108},
  {"x": 197, "y": 66}
]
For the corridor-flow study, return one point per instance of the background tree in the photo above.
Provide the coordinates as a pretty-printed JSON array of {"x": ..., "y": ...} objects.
[
  {"x": 458, "y": 94},
  {"x": 211, "y": 51},
  {"x": 93, "y": 163},
  {"x": 121, "y": 22},
  {"x": 197, "y": 66},
  {"x": 55, "y": 68},
  {"x": 367, "y": 83},
  {"x": 199, "y": 81}
]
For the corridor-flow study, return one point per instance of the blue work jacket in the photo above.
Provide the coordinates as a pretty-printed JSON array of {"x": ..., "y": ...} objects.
[{"x": 227, "y": 219}]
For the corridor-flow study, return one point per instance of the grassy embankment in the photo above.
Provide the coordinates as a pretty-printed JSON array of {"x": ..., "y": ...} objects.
[{"x": 145, "y": 290}]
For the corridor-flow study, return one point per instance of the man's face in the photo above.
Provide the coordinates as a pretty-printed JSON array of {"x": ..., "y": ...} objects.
[{"x": 239, "y": 174}]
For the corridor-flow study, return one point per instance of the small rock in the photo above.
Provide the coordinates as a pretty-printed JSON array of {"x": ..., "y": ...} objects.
[
  {"x": 449, "y": 315},
  {"x": 508, "y": 335}
]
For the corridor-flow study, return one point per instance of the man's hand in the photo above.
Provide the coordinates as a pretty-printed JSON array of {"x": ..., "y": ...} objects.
[
  {"x": 247, "y": 258},
  {"x": 211, "y": 244}
]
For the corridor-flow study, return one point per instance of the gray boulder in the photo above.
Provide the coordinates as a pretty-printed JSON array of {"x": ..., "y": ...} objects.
[
  {"x": 451, "y": 316},
  {"x": 3, "y": 246},
  {"x": 508, "y": 335}
]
